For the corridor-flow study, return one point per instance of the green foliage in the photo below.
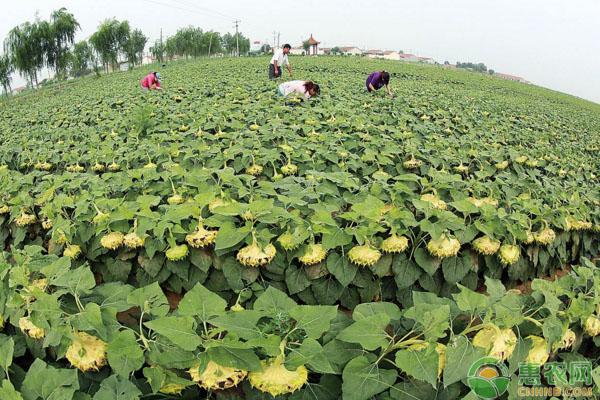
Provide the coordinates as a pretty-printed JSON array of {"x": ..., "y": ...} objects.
[{"x": 183, "y": 159}]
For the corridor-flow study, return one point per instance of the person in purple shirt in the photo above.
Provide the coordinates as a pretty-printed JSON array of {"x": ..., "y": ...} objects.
[{"x": 377, "y": 80}]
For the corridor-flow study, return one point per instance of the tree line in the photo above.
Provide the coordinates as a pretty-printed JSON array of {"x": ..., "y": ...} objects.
[{"x": 32, "y": 46}]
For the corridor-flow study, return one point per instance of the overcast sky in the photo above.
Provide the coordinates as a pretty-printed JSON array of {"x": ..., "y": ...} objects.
[{"x": 552, "y": 43}]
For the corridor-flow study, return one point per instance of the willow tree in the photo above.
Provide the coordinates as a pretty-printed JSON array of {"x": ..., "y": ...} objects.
[
  {"x": 63, "y": 26},
  {"x": 158, "y": 50},
  {"x": 6, "y": 69},
  {"x": 25, "y": 46},
  {"x": 82, "y": 59},
  {"x": 109, "y": 41},
  {"x": 133, "y": 47}
]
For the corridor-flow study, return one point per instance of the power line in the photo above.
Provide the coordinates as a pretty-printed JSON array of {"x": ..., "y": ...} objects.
[
  {"x": 196, "y": 11},
  {"x": 193, "y": 5}
]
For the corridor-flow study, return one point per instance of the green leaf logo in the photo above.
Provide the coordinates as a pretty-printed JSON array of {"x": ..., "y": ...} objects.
[{"x": 488, "y": 378}]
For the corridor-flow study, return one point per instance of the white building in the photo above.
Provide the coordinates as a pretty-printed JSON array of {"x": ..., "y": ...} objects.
[
  {"x": 256, "y": 46},
  {"x": 391, "y": 55},
  {"x": 351, "y": 51},
  {"x": 373, "y": 53},
  {"x": 408, "y": 57},
  {"x": 297, "y": 51}
]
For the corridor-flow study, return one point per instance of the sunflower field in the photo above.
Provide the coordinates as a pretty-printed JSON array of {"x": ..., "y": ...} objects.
[{"x": 213, "y": 240}]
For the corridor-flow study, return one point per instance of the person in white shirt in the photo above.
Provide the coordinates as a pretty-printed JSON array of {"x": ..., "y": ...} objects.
[
  {"x": 279, "y": 59},
  {"x": 307, "y": 89}
]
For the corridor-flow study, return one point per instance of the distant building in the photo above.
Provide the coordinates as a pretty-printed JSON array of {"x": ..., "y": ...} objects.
[
  {"x": 256, "y": 46},
  {"x": 325, "y": 51},
  {"x": 426, "y": 60},
  {"x": 351, "y": 51},
  {"x": 391, "y": 55},
  {"x": 374, "y": 53},
  {"x": 510, "y": 77},
  {"x": 148, "y": 59},
  {"x": 408, "y": 57},
  {"x": 297, "y": 51}
]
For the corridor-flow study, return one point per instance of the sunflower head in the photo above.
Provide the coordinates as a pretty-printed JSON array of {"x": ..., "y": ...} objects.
[
  {"x": 30, "y": 329},
  {"x": 247, "y": 215},
  {"x": 509, "y": 254},
  {"x": 412, "y": 163},
  {"x": 444, "y": 246},
  {"x": 255, "y": 256},
  {"x": 486, "y": 245},
  {"x": 201, "y": 238},
  {"x": 177, "y": 253},
  {"x": 288, "y": 241},
  {"x": 483, "y": 201},
  {"x": 112, "y": 240},
  {"x": 218, "y": 202},
  {"x": 133, "y": 241},
  {"x": 275, "y": 379},
  {"x": 499, "y": 343},
  {"x": 254, "y": 170},
  {"x": 521, "y": 159},
  {"x": 72, "y": 251},
  {"x": 289, "y": 169},
  {"x": 591, "y": 326},
  {"x": 365, "y": 255},
  {"x": 435, "y": 201},
  {"x": 502, "y": 165},
  {"x": 538, "y": 353},
  {"x": 314, "y": 254},
  {"x": 529, "y": 237},
  {"x": 217, "y": 377},
  {"x": 47, "y": 224},
  {"x": 394, "y": 244},
  {"x": 86, "y": 352},
  {"x": 566, "y": 341},
  {"x": 461, "y": 168},
  {"x": 544, "y": 236},
  {"x": 100, "y": 218},
  {"x": 25, "y": 219},
  {"x": 573, "y": 224},
  {"x": 98, "y": 167},
  {"x": 175, "y": 199}
]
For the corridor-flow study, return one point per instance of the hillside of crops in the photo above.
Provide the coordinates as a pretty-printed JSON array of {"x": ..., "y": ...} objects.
[{"x": 214, "y": 240}]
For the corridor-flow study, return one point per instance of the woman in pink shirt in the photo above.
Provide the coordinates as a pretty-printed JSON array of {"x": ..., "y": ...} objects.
[
  {"x": 307, "y": 89},
  {"x": 151, "y": 81}
]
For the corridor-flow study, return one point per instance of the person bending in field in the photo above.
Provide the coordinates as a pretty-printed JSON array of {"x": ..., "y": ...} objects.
[
  {"x": 279, "y": 59},
  {"x": 151, "y": 81},
  {"x": 377, "y": 80},
  {"x": 307, "y": 89}
]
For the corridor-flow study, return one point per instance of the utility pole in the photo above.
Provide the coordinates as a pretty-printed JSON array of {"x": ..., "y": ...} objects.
[
  {"x": 210, "y": 43},
  {"x": 274, "y": 41},
  {"x": 237, "y": 36},
  {"x": 162, "y": 49},
  {"x": 278, "y": 35}
]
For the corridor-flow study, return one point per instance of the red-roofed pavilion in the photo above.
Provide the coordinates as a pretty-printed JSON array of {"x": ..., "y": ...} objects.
[{"x": 314, "y": 46}]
